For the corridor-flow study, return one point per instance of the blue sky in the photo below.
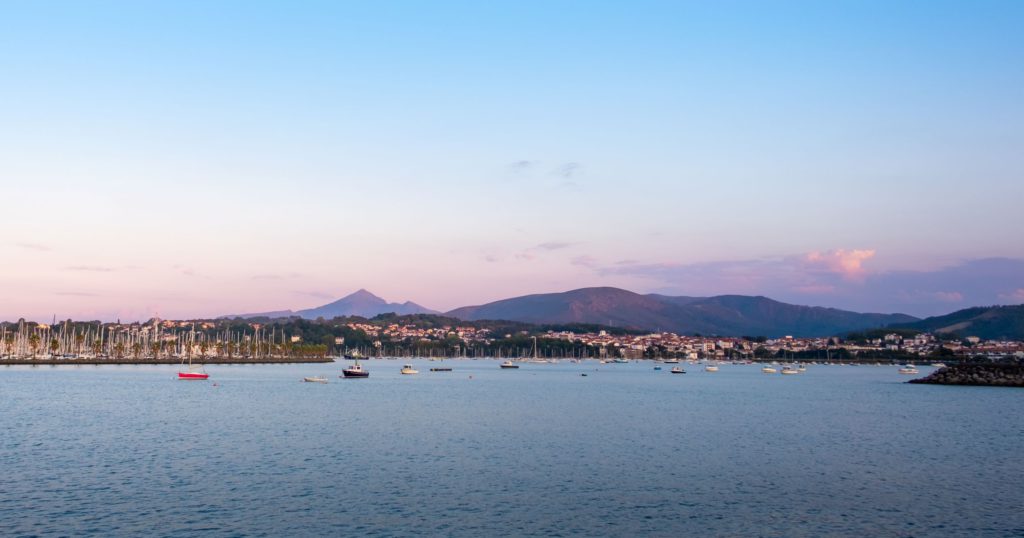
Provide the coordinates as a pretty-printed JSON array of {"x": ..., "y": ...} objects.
[{"x": 196, "y": 158}]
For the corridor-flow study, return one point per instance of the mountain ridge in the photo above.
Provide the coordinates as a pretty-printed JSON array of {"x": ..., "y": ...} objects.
[
  {"x": 359, "y": 303},
  {"x": 725, "y": 315}
]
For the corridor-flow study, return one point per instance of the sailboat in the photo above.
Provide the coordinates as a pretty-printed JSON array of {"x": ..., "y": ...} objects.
[{"x": 193, "y": 372}]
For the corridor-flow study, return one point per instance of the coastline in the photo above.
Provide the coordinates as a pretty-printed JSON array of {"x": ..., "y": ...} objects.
[{"x": 208, "y": 360}]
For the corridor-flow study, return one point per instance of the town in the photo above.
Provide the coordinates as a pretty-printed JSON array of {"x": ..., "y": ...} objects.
[{"x": 430, "y": 336}]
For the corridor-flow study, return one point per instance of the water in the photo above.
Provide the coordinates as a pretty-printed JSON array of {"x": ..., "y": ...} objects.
[{"x": 625, "y": 451}]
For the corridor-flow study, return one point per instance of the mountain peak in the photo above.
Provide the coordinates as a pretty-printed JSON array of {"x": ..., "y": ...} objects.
[{"x": 362, "y": 294}]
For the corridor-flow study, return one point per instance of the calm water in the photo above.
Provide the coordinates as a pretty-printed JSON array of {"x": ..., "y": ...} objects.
[{"x": 129, "y": 450}]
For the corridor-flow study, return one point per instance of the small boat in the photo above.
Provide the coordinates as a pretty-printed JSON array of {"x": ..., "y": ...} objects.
[
  {"x": 509, "y": 364},
  {"x": 711, "y": 368},
  {"x": 671, "y": 361},
  {"x": 908, "y": 369},
  {"x": 355, "y": 371},
  {"x": 769, "y": 370},
  {"x": 408, "y": 370},
  {"x": 314, "y": 379},
  {"x": 801, "y": 368},
  {"x": 621, "y": 361},
  {"x": 789, "y": 370},
  {"x": 657, "y": 367},
  {"x": 938, "y": 365},
  {"x": 677, "y": 370},
  {"x": 193, "y": 372},
  {"x": 440, "y": 369}
]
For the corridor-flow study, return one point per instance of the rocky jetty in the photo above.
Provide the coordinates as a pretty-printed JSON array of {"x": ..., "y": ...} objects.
[{"x": 994, "y": 375}]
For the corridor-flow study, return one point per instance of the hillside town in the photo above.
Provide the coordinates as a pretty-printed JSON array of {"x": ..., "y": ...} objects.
[{"x": 440, "y": 337}]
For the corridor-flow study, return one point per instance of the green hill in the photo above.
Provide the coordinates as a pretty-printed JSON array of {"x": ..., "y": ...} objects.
[{"x": 987, "y": 322}]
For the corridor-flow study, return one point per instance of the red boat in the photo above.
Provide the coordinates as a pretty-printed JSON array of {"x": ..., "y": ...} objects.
[{"x": 196, "y": 373}]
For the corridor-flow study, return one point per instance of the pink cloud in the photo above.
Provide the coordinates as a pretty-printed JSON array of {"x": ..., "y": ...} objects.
[
  {"x": 1015, "y": 296},
  {"x": 847, "y": 263}
]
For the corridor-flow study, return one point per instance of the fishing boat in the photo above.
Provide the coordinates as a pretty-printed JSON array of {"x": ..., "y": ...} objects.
[
  {"x": 768, "y": 370},
  {"x": 908, "y": 369},
  {"x": 409, "y": 370},
  {"x": 356, "y": 370},
  {"x": 314, "y": 379},
  {"x": 678, "y": 370},
  {"x": 509, "y": 364},
  {"x": 192, "y": 372}
]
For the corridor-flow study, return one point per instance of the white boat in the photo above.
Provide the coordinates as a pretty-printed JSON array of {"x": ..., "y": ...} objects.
[
  {"x": 314, "y": 379},
  {"x": 938, "y": 365},
  {"x": 671, "y": 361},
  {"x": 909, "y": 369},
  {"x": 801, "y": 368},
  {"x": 789, "y": 370},
  {"x": 711, "y": 368},
  {"x": 408, "y": 370},
  {"x": 509, "y": 365},
  {"x": 678, "y": 370},
  {"x": 768, "y": 370}
]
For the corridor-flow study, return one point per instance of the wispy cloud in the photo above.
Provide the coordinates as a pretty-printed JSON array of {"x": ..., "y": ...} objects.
[
  {"x": 568, "y": 170},
  {"x": 90, "y": 268},
  {"x": 522, "y": 166},
  {"x": 1015, "y": 296},
  {"x": 276, "y": 276},
  {"x": 553, "y": 245},
  {"x": 76, "y": 294},
  {"x": 585, "y": 261},
  {"x": 34, "y": 246}
]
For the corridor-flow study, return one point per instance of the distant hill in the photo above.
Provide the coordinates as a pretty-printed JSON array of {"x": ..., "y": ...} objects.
[
  {"x": 726, "y": 315},
  {"x": 361, "y": 303},
  {"x": 989, "y": 323}
]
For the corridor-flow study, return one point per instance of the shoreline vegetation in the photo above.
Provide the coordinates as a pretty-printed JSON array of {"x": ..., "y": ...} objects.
[
  {"x": 428, "y": 336},
  {"x": 129, "y": 361}
]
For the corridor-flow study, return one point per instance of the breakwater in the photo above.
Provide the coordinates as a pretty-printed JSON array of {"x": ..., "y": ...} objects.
[
  {"x": 995, "y": 375},
  {"x": 206, "y": 360}
]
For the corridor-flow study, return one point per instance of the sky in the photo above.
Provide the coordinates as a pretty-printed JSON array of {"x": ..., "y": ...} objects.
[{"x": 191, "y": 158}]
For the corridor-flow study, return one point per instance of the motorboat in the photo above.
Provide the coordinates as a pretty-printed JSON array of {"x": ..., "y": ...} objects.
[
  {"x": 509, "y": 365},
  {"x": 677, "y": 370},
  {"x": 356, "y": 370},
  {"x": 671, "y": 361},
  {"x": 314, "y": 379},
  {"x": 408, "y": 370},
  {"x": 711, "y": 367},
  {"x": 769, "y": 370},
  {"x": 657, "y": 367},
  {"x": 909, "y": 369},
  {"x": 789, "y": 370}
]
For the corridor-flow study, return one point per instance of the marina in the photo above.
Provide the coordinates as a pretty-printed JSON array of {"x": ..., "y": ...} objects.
[{"x": 689, "y": 442}]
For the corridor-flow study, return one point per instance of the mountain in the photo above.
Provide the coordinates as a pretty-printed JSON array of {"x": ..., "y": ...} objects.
[
  {"x": 361, "y": 303},
  {"x": 989, "y": 323},
  {"x": 726, "y": 315}
]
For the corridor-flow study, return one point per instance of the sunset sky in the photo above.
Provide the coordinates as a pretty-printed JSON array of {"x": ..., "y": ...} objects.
[{"x": 193, "y": 158}]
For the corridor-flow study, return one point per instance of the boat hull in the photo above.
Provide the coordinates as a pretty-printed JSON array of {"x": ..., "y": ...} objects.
[
  {"x": 354, "y": 373},
  {"x": 193, "y": 376}
]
